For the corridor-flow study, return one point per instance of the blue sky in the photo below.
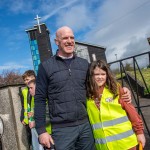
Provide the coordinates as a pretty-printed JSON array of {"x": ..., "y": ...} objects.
[{"x": 122, "y": 26}]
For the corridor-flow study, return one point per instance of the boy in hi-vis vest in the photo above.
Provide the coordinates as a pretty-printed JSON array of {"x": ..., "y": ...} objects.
[
  {"x": 26, "y": 100},
  {"x": 116, "y": 125},
  {"x": 37, "y": 146}
]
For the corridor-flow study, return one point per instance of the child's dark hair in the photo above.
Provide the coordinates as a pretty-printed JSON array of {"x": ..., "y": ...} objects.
[
  {"x": 28, "y": 73},
  {"x": 92, "y": 87}
]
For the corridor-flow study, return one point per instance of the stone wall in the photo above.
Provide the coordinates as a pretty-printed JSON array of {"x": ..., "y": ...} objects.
[{"x": 14, "y": 137}]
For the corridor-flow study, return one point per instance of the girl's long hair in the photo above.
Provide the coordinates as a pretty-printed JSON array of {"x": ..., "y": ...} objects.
[{"x": 92, "y": 87}]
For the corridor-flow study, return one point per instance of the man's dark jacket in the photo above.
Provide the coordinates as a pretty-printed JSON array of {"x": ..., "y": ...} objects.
[{"x": 64, "y": 86}]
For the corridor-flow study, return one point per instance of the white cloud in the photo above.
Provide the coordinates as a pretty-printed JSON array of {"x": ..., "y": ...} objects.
[
  {"x": 120, "y": 22},
  {"x": 11, "y": 65},
  {"x": 16, "y": 66},
  {"x": 56, "y": 7},
  {"x": 18, "y": 6},
  {"x": 120, "y": 26},
  {"x": 76, "y": 17},
  {"x": 21, "y": 66}
]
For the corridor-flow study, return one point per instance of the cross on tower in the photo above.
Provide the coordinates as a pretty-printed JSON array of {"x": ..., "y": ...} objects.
[{"x": 38, "y": 21}]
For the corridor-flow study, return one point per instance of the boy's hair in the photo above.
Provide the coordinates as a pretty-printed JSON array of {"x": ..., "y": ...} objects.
[
  {"x": 28, "y": 73},
  {"x": 32, "y": 81},
  {"x": 92, "y": 87}
]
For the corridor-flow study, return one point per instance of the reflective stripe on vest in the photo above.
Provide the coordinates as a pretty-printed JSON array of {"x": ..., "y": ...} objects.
[
  {"x": 110, "y": 123},
  {"x": 113, "y": 138}
]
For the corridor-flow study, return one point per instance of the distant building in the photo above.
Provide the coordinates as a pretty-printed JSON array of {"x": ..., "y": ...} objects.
[
  {"x": 39, "y": 43},
  {"x": 90, "y": 52}
]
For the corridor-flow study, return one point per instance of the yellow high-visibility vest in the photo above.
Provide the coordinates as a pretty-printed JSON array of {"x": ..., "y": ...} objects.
[
  {"x": 112, "y": 129},
  {"x": 26, "y": 119},
  {"x": 26, "y": 107}
]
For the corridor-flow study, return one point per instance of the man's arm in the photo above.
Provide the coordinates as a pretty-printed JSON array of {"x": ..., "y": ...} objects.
[
  {"x": 40, "y": 107},
  {"x": 126, "y": 96},
  {"x": 40, "y": 100}
]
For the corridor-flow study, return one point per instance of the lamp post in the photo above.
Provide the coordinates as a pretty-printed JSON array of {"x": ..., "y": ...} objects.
[
  {"x": 148, "y": 39},
  {"x": 117, "y": 63},
  {"x": 116, "y": 56}
]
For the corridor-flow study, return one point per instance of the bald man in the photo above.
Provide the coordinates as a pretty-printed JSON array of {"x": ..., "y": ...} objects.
[{"x": 61, "y": 79}]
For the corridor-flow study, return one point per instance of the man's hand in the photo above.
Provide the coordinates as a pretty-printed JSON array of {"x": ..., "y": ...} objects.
[
  {"x": 32, "y": 124},
  {"x": 127, "y": 95},
  {"x": 45, "y": 139}
]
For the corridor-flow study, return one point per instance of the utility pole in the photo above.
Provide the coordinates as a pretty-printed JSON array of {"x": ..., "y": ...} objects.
[
  {"x": 148, "y": 39},
  {"x": 117, "y": 62}
]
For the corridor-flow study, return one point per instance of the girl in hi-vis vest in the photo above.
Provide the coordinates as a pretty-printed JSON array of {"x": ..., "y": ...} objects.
[{"x": 116, "y": 125}]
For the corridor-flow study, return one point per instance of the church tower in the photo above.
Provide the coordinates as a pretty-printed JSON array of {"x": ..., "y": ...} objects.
[{"x": 39, "y": 43}]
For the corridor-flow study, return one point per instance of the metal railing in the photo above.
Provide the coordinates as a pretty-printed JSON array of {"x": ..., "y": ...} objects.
[{"x": 135, "y": 91}]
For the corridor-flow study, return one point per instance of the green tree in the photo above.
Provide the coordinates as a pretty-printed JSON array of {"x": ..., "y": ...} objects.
[{"x": 128, "y": 67}]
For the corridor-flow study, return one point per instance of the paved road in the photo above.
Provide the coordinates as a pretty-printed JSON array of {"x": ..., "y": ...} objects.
[{"x": 145, "y": 102}]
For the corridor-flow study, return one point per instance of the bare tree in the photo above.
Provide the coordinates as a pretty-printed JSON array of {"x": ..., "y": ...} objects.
[{"x": 10, "y": 77}]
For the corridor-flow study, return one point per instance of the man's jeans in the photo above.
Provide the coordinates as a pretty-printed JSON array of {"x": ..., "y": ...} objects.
[
  {"x": 35, "y": 141},
  {"x": 78, "y": 137}
]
